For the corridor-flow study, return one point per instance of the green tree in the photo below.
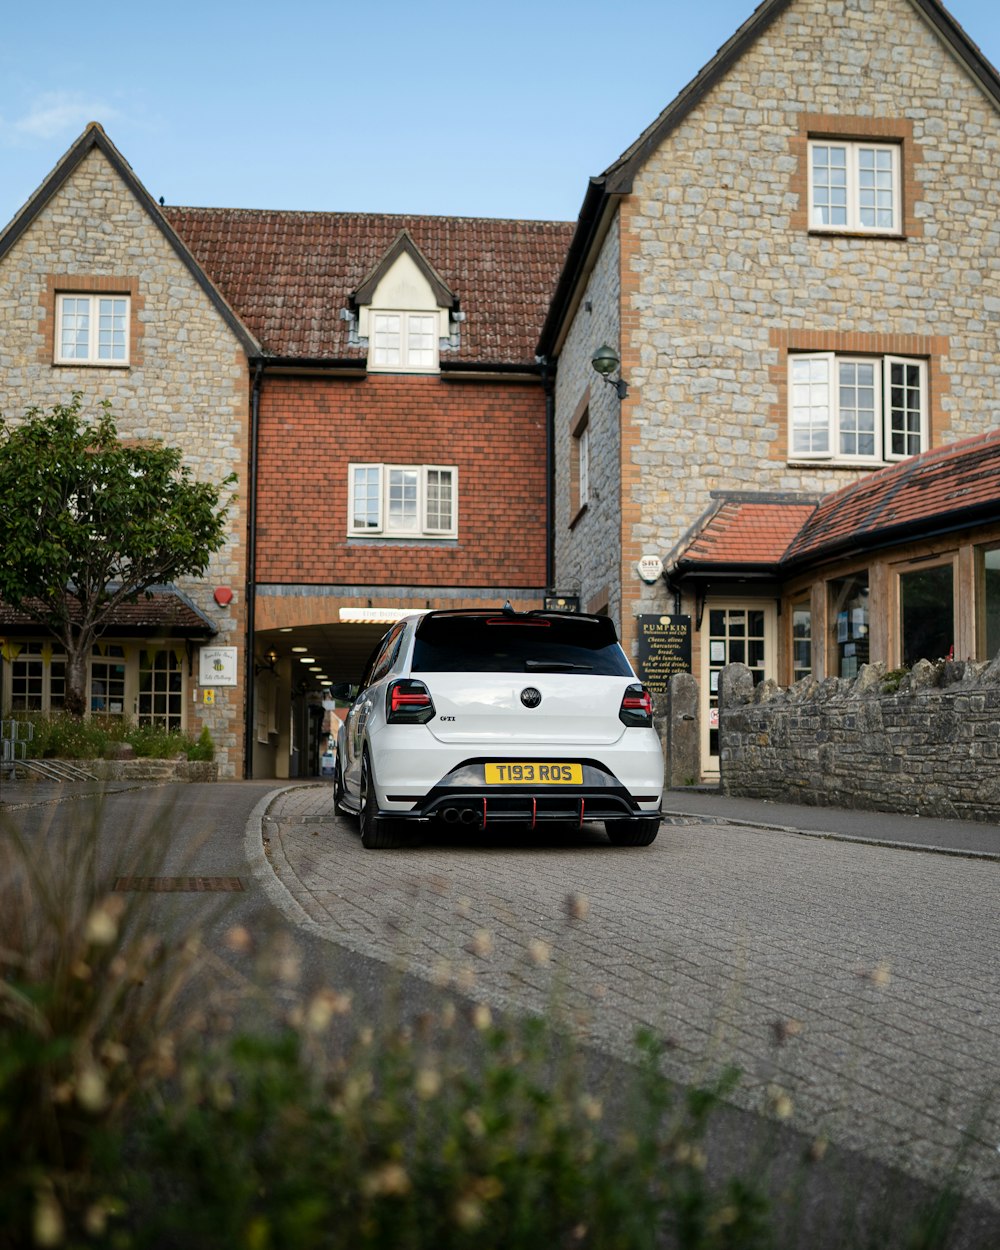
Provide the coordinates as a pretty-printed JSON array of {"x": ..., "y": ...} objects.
[{"x": 89, "y": 522}]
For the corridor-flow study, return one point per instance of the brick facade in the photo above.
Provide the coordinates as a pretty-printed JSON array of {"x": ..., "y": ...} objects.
[{"x": 311, "y": 429}]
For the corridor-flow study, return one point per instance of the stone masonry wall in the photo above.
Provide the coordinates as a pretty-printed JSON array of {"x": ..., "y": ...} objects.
[
  {"x": 927, "y": 743},
  {"x": 186, "y": 383},
  {"x": 588, "y": 555},
  {"x": 721, "y": 265}
]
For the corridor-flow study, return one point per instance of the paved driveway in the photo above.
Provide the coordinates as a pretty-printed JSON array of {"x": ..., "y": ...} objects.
[{"x": 855, "y": 986}]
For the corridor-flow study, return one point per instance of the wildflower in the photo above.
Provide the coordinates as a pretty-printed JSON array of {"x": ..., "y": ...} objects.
[
  {"x": 539, "y": 952},
  {"x": 577, "y": 906},
  {"x": 448, "y": 1015},
  {"x": 591, "y": 1107},
  {"x": 817, "y": 1150},
  {"x": 468, "y": 1212},
  {"x": 481, "y": 944},
  {"x": 427, "y": 1083},
  {"x": 779, "y": 1103},
  {"x": 114, "y": 1053},
  {"x": 239, "y": 940},
  {"x": 466, "y": 978},
  {"x": 880, "y": 975},
  {"x": 91, "y": 1089},
  {"x": 482, "y": 1017},
  {"x": 49, "y": 1228},
  {"x": 322, "y": 1007},
  {"x": 390, "y": 1180},
  {"x": 473, "y": 1121},
  {"x": 442, "y": 973},
  {"x": 784, "y": 1029},
  {"x": 101, "y": 928}
]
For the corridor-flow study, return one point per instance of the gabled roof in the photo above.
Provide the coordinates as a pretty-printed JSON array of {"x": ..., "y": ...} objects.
[
  {"x": 94, "y": 137},
  {"x": 403, "y": 244},
  {"x": 741, "y": 531},
  {"x": 289, "y": 274},
  {"x": 945, "y": 489},
  {"x": 618, "y": 178}
]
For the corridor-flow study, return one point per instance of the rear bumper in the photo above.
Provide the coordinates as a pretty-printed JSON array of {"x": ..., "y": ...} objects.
[{"x": 463, "y": 797}]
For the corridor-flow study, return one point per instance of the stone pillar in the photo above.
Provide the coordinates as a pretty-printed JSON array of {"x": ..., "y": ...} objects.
[
  {"x": 683, "y": 736},
  {"x": 735, "y": 691}
]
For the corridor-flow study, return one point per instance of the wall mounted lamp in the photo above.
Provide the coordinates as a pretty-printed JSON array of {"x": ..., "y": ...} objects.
[
  {"x": 605, "y": 361},
  {"x": 268, "y": 663}
]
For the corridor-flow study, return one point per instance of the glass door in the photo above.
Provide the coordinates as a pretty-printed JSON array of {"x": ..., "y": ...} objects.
[{"x": 732, "y": 633}]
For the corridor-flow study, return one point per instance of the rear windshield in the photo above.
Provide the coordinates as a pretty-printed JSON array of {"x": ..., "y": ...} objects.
[{"x": 455, "y": 644}]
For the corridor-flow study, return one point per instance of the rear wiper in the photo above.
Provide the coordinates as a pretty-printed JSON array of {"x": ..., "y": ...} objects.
[{"x": 557, "y": 666}]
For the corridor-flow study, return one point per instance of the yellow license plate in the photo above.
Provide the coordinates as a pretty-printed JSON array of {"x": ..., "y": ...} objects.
[{"x": 535, "y": 773}]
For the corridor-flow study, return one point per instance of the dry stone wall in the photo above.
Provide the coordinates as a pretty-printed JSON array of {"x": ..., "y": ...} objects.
[{"x": 925, "y": 743}]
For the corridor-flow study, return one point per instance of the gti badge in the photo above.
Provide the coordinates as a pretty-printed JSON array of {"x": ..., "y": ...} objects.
[{"x": 531, "y": 697}]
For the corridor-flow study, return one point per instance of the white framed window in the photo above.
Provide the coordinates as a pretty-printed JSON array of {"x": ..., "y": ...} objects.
[
  {"x": 854, "y": 186},
  {"x": 92, "y": 329},
  {"x": 405, "y": 341},
  {"x": 403, "y": 500},
  {"x": 856, "y": 408}
]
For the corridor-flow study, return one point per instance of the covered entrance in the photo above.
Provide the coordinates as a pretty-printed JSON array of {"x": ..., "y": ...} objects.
[{"x": 293, "y": 668}]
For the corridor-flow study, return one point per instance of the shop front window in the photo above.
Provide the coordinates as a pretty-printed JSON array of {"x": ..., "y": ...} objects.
[
  {"x": 801, "y": 640},
  {"x": 107, "y": 681},
  {"x": 990, "y": 601},
  {"x": 849, "y": 614},
  {"x": 160, "y": 690},
  {"x": 37, "y": 678},
  {"x": 927, "y": 614}
]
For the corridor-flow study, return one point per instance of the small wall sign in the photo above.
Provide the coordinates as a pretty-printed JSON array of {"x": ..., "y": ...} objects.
[
  {"x": 217, "y": 666},
  {"x": 650, "y": 568}
]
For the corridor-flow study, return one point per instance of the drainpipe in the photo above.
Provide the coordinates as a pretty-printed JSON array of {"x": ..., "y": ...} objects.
[
  {"x": 251, "y": 622},
  {"x": 548, "y": 382}
]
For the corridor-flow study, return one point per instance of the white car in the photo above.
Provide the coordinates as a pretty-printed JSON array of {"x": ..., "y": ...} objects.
[{"x": 482, "y": 717}]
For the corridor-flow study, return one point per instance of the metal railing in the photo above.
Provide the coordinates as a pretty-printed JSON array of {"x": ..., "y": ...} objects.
[{"x": 14, "y": 738}]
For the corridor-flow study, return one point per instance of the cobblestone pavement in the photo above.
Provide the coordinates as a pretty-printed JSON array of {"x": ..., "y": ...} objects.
[{"x": 857, "y": 981}]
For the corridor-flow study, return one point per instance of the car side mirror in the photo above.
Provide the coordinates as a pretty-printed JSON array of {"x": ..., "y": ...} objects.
[{"x": 344, "y": 691}]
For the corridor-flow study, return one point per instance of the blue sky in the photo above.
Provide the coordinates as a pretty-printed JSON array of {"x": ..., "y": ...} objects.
[{"x": 471, "y": 109}]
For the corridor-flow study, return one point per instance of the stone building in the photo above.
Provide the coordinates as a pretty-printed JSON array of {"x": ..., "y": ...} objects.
[
  {"x": 371, "y": 380},
  {"x": 797, "y": 266},
  {"x": 91, "y": 246}
]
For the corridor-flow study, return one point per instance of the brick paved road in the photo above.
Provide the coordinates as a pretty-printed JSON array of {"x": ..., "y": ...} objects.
[{"x": 861, "y": 981}]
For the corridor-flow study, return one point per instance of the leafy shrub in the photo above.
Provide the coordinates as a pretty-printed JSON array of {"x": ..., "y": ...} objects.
[{"x": 61, "y": 736}]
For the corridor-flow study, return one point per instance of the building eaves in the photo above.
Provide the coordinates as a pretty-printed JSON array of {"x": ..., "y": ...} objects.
[{"x": 94, "y": 137}]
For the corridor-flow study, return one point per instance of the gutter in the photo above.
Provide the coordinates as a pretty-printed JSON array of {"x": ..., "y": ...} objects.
[{"x": 251, "y": 579}]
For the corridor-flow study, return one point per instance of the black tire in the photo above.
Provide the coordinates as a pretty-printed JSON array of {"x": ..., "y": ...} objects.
[
  {"x": 377, "y": 833},
  {"x": 632, "y": 832}
]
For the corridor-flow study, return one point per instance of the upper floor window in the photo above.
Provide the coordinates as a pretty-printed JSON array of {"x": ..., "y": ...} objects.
[
  {"x": 403, "y": 501},
  {"x": 92, "y": 329},
  {"x": 404, "y": 341},
  {"x": 579, "y": 469},
  {"x": 857, "y": 408},
  {"x": 854, "y": 186}
]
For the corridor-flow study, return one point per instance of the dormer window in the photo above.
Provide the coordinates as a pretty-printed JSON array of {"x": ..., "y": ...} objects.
[
  {"x": 403, "y": 340},
  {"x": 405, "y": 312}
]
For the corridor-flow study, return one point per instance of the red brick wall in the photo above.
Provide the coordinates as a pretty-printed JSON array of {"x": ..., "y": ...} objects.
[{"x": 312, "y": 428}]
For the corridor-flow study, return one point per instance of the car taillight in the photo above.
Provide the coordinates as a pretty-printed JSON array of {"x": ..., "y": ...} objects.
[
  {"x": 637, "y": 706},
  {"x": 408, "y": 702}
]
